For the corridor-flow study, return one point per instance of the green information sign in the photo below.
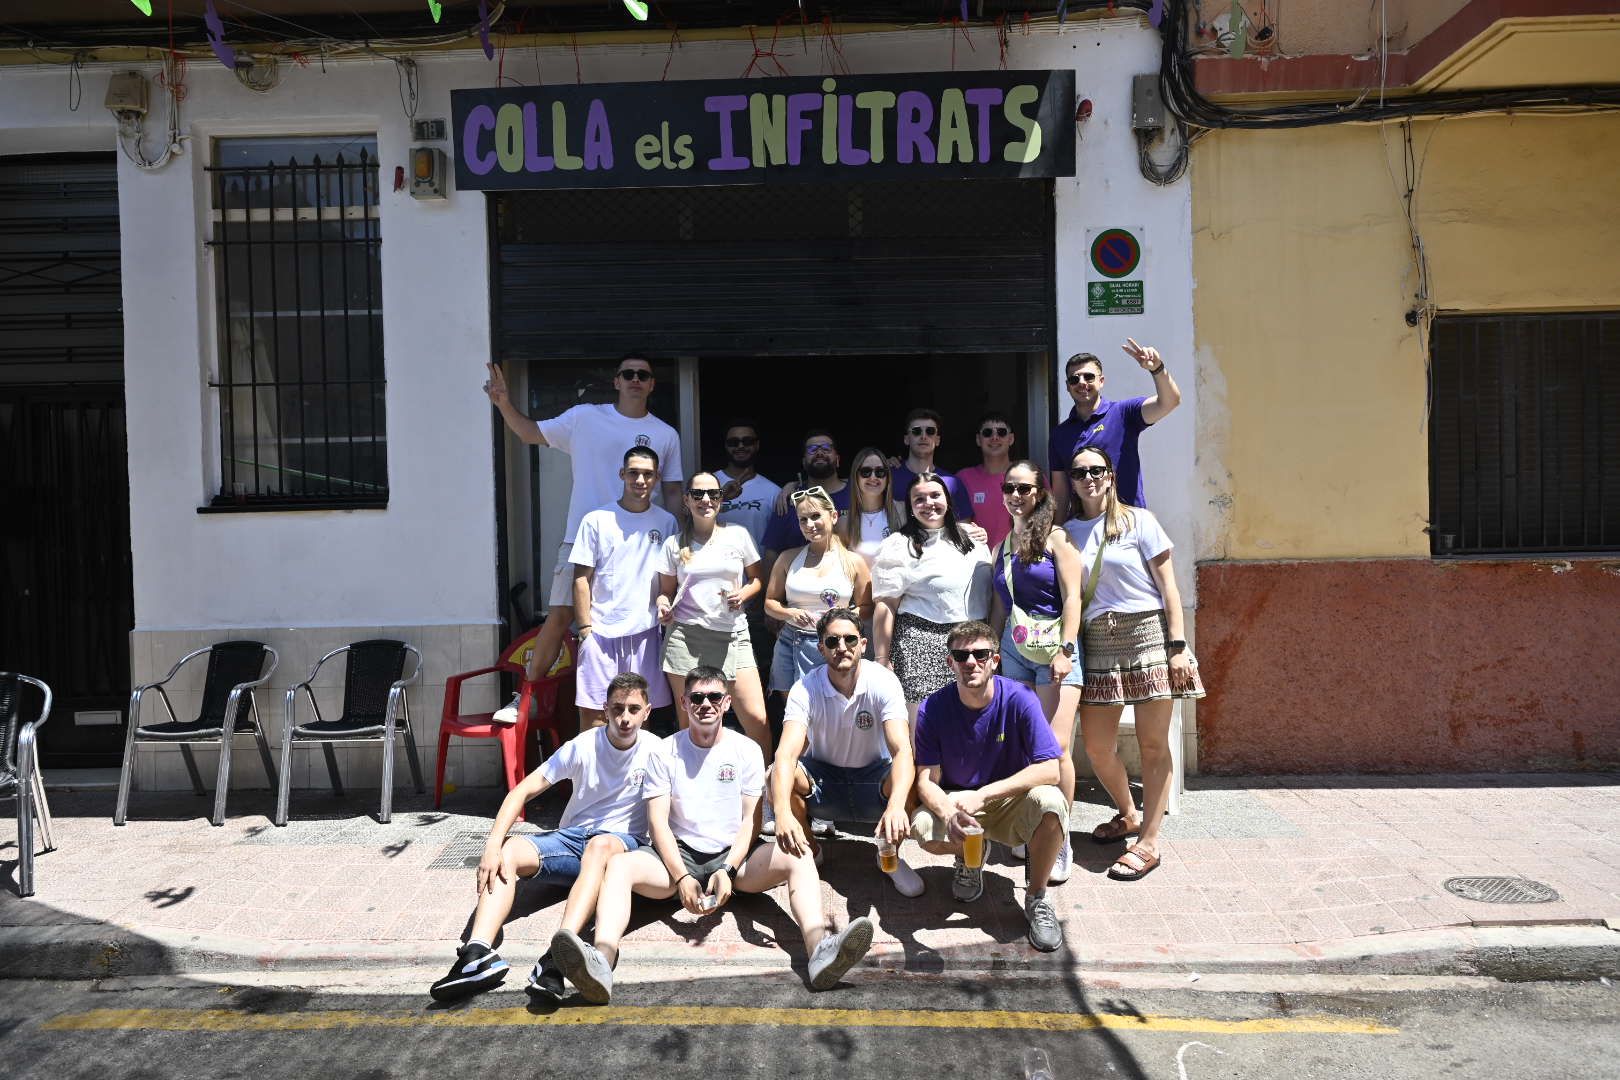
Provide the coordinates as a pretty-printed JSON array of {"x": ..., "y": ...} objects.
[{"x": 1114, "y": 298}]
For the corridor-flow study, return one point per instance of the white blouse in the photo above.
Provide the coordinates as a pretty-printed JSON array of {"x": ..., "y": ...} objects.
[{"x": 943, "y": 586}]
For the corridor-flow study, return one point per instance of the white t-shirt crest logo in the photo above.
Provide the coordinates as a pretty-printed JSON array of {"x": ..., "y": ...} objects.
[
  {"x": 642, "y": 440},
  {"x": 726, "y": 774},
  {"x": 655, "y": 536},
  {"x": 864, "y": 720},
  {"x": 637, "y": 778},
  {"x": 829, "y": 597}
]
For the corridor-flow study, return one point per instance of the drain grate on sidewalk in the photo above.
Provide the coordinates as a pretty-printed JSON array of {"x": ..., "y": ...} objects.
[
  {"x": 462, "y": 853},
  {"x": 1492, "y": 890}
]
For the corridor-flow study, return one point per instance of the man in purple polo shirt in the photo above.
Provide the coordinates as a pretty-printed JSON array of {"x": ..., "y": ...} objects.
[
  {"x": 1112, "y": 425},
  {"x": 986, "y": 754}
]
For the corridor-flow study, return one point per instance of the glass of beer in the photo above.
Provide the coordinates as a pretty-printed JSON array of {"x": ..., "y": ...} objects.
[
  {"x": 973, "y": 846},
  {"x": 888, "y": 856}
]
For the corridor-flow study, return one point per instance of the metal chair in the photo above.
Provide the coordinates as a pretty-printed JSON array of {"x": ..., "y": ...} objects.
[
  {"x": 235, "y": 668},
  {"x": 20, "y": 775},
  {"x": 374, "y": 703}
]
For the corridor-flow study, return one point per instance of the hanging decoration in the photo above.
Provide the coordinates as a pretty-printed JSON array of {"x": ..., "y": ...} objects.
[
  {"x": 1156, "y": 13},
  {"x": 637, "y": 10},
  {"x": 144, "y": 5},
  {"x": 216, "y": 35},
  {"x": 435, "y": 9},
  {"x": 964, "y": 10},
  {"x": 1062, "y": 11},
  {"x": 483, "y": 30},
  {"x": 1238, "y": 24},
  {"x": 674, "y": 43}
]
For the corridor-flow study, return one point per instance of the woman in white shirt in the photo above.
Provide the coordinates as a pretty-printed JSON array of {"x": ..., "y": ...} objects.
[
  {"x": 1135, "y": 654},
  {"x": 927, "y": 577},
  {"x": 809, "y": 581},
  {"x": 873, "y": 513},
  {"x": 707, "y": 575}
]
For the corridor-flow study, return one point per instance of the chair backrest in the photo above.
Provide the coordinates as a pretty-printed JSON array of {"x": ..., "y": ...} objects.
[
  {"x": 10, "y": 720},
  {"x": 230, "y": 663},
  {"x": 374, "y": 666}
]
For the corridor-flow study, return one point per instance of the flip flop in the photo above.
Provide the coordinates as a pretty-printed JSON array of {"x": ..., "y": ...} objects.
[
  {"x": 1114, "y": 830},
  {"x": 1124, "y": 871}
]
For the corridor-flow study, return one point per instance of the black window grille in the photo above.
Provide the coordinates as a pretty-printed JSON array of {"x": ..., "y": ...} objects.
[
  {"x": 1524, "y": 447},
  {"x": 301, "y": 387}
]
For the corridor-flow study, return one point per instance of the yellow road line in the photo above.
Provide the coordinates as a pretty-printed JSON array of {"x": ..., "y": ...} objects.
[{"x": 697, "y": 1016}]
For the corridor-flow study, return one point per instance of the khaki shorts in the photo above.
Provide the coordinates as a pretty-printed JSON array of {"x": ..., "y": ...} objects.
[
  {"x": 1009, "y": 821},
  {"x": 685, "y": 647}
]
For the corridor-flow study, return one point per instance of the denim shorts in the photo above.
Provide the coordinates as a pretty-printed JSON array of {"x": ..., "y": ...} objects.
[
  {"x": 841, "y": 794},
  {"x": 1015, "y": 665},
  {"x": 796, "y": 655},
  {"x": 561, "y": 851}
]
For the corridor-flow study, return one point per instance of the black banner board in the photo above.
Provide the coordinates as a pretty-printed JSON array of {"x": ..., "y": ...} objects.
[{"x": 925, "y": 126}]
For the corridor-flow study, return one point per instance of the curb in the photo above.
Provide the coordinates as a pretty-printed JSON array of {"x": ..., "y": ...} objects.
[{"x": 1511, "y": 953}]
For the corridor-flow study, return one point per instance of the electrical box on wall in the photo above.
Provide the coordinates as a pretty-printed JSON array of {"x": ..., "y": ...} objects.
[
  {"x": 1147, "y": 106},
  {"x": 126, "y": 93},
  {"x": 428, "y": 167}
]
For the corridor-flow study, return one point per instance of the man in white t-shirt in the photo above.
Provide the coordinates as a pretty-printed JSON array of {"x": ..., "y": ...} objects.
[
  {"x": 606, "y": 816},
  {"x": 702, "y": 788},
  {"x": 749, "y": 498},
  {"x": 845, "y": 752},
  {"x": 594, "y": 436},
  {"x": 615, "y": 556}
]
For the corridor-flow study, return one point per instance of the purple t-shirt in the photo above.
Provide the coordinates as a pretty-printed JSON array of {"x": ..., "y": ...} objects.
[
  {"x": 1037, "y": 585},
  {"x": 975, "y": 748},
  {"x": 782, "y": 532},
  {"x": 900, "y": 479},
  {"x": 1113, "y": 428}
]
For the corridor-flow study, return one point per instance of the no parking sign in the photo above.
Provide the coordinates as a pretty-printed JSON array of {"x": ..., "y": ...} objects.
[{"x": 1114, "y": 254}]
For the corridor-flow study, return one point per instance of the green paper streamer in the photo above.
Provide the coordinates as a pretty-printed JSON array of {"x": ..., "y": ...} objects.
[
  {"x": 637, "y": 10},
  {"x": 436, "y": 9},
  {"x": 144, "y": 5}
]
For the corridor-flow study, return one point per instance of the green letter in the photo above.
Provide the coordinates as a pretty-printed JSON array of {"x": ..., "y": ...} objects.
[
  {"x": 1027, "y": 151},
  {"x": 647, "y": 150},
  {"x": 509, "y": 137},
  {"x": 876, "y": 102},
  {"x": 955, "y": 143},
  {"x": 767, "y": 123},
  {"x": 559, "y": 139}
]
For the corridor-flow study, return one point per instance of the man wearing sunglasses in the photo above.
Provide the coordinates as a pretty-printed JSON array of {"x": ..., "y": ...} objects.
[
  {"x": 750, "y": 499},
  {"x": 983, "y": 482},
  {"x": 594, "y": 437},
  {"x": 986, "y": 755},
  {"x": 845, "y": 752},
  {"x": 702, "y": 788},
  {"x": 922, "y": 436},
  {"x": 1112, "y": 425},
  {"x": 820, "y": 464}
]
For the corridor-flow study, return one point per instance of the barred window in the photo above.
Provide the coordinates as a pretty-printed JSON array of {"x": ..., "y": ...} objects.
[
  {"x": 1524, "y": 447},
  {"x": 298, "y": 289}
]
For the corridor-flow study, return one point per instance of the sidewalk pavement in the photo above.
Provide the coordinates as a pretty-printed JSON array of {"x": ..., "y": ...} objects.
[{"x": 1284, "y": 874}]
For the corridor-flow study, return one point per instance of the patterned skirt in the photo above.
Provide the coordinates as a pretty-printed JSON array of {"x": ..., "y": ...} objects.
[
  {"x": 1126, "y": 661},
  {"x": 918, "y": 655}
]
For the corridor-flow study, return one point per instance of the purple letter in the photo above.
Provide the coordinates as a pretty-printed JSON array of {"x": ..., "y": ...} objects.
[
  {"x": 533, "y": 159},
  {"x": 984, "y": 98},
  {"x": 914, "y": 114},
  {"x": 848, "y": 154},
  {"x": 598, "y": 139},
  {"x": 724, "y": 105},
  {"x": 799, "y": 123},
  {"x": 479, "y": 118}
]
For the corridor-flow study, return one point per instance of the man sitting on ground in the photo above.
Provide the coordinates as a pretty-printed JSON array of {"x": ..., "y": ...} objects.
[
  {"x": 848, "y": 719},
  {"x": 987, "y": 756},
  {"x": 605, "y": 816},
  {"x": 703, "y": 786}
]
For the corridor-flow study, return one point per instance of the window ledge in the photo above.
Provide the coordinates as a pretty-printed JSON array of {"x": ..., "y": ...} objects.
[{"x": 280, "y": 506}]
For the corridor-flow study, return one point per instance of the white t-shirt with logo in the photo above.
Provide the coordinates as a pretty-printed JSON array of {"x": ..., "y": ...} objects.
[
  {"x": 607, "y": 781},
  {"x": 706, "y": 787},
  {"x": 847, "y": 732},
  {"x": 752, "y": 508},
  {"x": 597, "y": 437},
  {"x": 1126, "y": 583},
  {"x": 702, "y": 582},
  {"x": 624, "y": 550}
]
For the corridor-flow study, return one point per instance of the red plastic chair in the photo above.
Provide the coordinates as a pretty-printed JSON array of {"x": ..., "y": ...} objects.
[{"x": 537, "y": 711}]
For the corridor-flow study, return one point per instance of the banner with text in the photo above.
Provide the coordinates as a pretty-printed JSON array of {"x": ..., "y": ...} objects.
[{"x": 926, "y": 126}]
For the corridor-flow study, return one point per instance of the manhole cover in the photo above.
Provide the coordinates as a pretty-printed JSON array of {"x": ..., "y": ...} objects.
[
  {"x": 462, "y": 853},
  {"x": 1497, "y": 890}
]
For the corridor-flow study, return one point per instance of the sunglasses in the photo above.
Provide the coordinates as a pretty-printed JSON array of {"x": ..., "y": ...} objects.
[
  {"x": 1087, "y": 377},
  {"x": 800, "y": 496},
  {"x": 818, "y": 448},
  {"x": 1082, "y": 472},
  {"x": 869, "y": 472},
  {"x": 988, "y": 432},
  {"x": 741, "y": 440},
  {"x": 961, "y": 656},
  {"x": 713, "y": 697},
  {"x": 1017, "y": 489},
  {"x": 848, "y": 641},
  {"x": 631, "y": 374},
  {"x": 925, "y": 429},
  {"x": 703, "y": 494}
]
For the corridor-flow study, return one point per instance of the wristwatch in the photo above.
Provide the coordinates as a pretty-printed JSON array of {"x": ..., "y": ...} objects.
[
  {"x": 731, "y": 871},
  {"x": 1067, "y": 649},
  {"x": 1176, "y": 645}
]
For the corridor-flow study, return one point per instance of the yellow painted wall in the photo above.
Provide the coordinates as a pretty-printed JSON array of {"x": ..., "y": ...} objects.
[{"x": 1312, "y": 434}]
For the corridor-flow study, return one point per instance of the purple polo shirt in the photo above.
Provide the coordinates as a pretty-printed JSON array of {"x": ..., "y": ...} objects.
[
  {"x": 782, "y": 532},
  {"x": 1113, "y": 428},
  {"x": 978, "y": 747},
  {"x": 900, "y": 479}
]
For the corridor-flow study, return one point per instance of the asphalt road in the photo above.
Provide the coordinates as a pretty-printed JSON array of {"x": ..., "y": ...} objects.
[{"x": 887, "y": 1027}]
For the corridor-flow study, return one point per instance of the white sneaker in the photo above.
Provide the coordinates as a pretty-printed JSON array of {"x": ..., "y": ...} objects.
[
  {"x": 907, "y": 882},
  {"x": 1064, "y": 866},
  {"x": 583, "y": 966},
  {"x": 823, "y": 827},
  {"x": 836, "y": 953},
  {"x": 507, "y": 714}
]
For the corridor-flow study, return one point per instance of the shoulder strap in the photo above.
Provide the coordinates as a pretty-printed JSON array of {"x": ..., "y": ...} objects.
[
  {"x": 1096, "y": 572},
  {"x": 1007, "y": 567}
]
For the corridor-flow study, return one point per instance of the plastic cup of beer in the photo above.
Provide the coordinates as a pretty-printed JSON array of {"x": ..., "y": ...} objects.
[
  {"x": 888, "y": 856},
  {"x": 973, "y": 846},
  {"x": 709, "y": 902}
]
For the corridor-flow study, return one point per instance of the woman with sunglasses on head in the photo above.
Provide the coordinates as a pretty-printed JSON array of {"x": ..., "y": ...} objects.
[
  {"x": 808, "y": 582},
  {"x": 708, "y": 573},
  {"x": 1135, "y": 653},
  {"x": 873, "y": 514},
  {"x": 1037, "y": 605},
  {"x": 928, "y": 577}
]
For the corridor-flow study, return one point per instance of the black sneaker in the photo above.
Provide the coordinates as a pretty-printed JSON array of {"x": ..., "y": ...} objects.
[
  {"x": 546, "y": 980},
  {"x": 477, "y": 968}
]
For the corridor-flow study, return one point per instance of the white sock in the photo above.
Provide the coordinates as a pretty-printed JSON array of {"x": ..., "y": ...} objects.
[{"x": 481, "y": 941}]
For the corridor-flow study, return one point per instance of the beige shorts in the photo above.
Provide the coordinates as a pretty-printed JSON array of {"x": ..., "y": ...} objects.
[
  {"x": 1009, "y": 821},
  {"x": 686, "y": 647},
  {"x": 562, "y": 579}
]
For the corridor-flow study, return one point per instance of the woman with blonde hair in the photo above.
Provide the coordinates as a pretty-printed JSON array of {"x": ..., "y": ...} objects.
[
  {"x": 707, "y": 575},
  {"x": 873, "y": 514},
  {"x": 1135, "y": 653},
  {"x": 809, "y": 581}
]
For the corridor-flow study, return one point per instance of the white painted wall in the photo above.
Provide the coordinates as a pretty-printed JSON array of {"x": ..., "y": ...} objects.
[{"x": 429, "y": 558}]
